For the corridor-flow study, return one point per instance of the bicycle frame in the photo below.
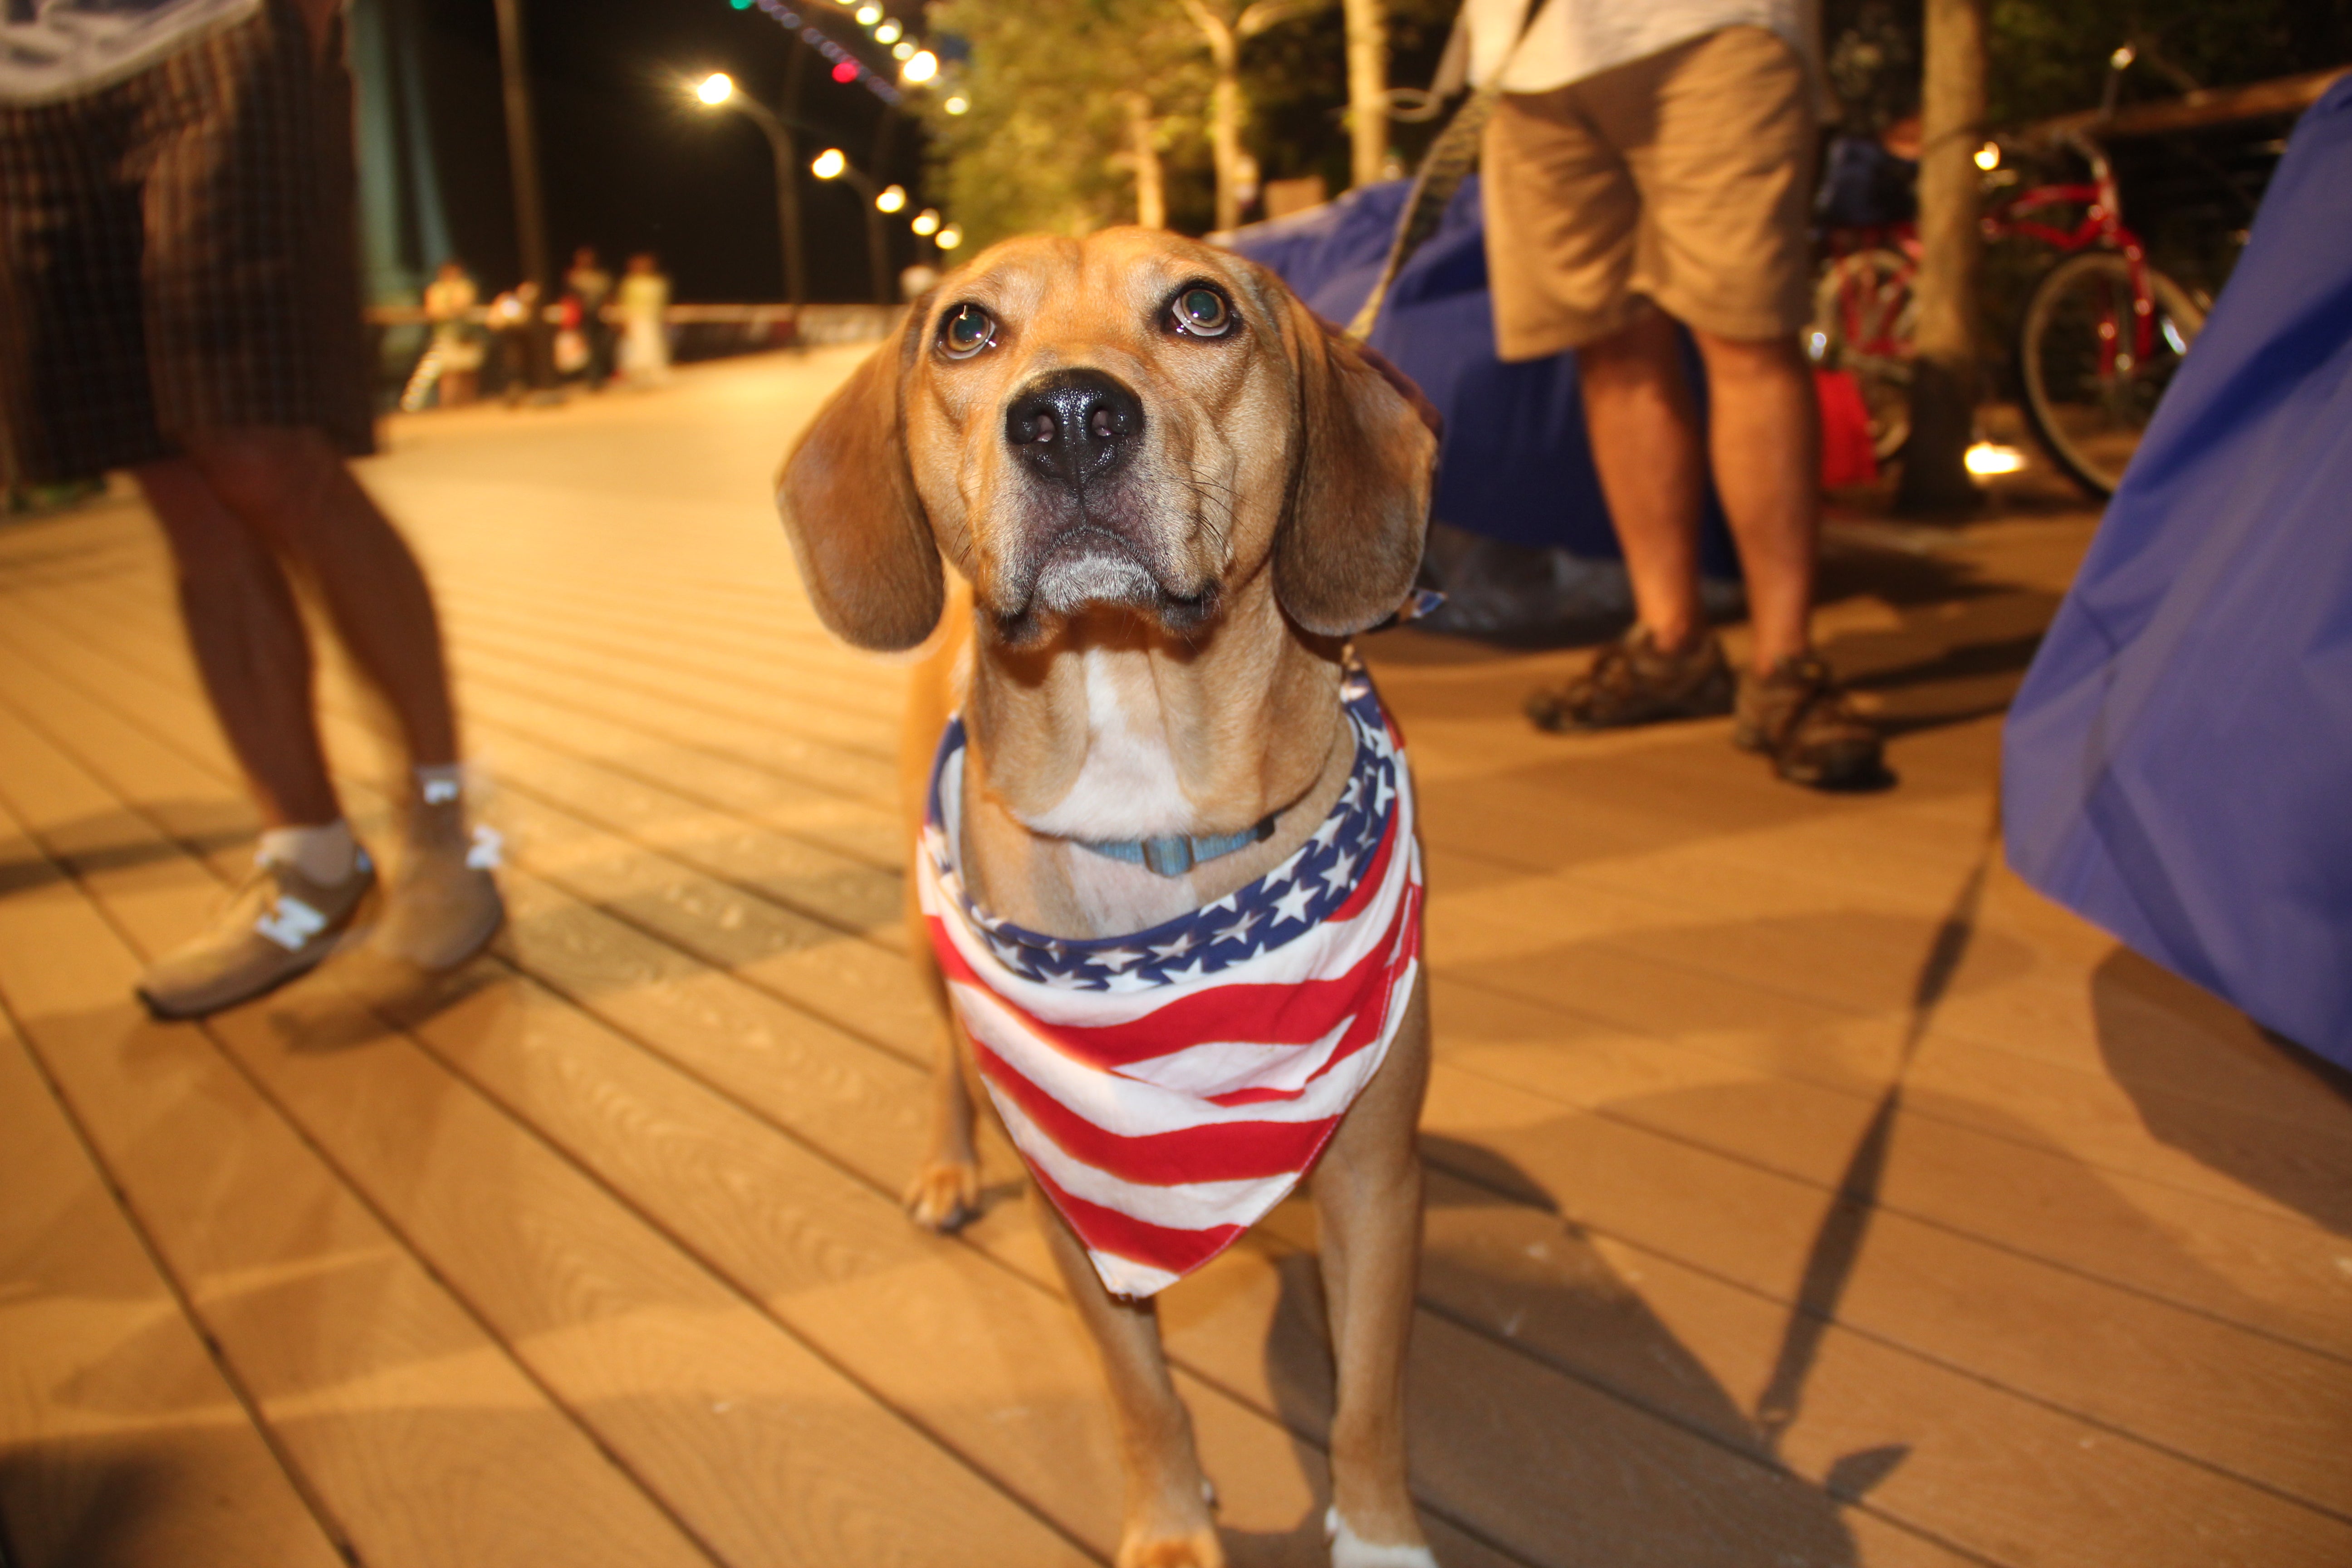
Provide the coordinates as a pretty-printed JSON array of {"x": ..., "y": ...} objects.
[{"x": 2102, "y": 226}]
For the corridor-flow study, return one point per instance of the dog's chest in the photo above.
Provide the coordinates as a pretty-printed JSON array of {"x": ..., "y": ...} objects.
[{"x": 1127, "y": 786}]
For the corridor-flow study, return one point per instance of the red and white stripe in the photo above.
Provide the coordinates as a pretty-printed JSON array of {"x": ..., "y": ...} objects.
[{"x": 1163, "y": 1121}]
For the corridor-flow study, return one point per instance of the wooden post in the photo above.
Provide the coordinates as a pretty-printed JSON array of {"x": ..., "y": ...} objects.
[
  {"x": 531, "y": 213},
  {"x": 1944, "y": 375},
  {"x": 1367, "y": 88}
]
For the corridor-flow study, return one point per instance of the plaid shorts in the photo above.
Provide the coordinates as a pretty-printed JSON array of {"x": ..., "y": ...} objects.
[{"x": 179, "y": 252}]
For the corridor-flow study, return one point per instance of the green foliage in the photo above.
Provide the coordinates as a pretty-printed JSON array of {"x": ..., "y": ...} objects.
[
  {"x": 1044, "y": 145},
  {"x": 2050, "y": 57},
  {"x": 1296, "y": 79}
]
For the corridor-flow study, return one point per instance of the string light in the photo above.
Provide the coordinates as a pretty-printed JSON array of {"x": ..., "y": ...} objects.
[
  {"x": 957, "y": 105},
  {"x": 950, "y": 238},
  {"x": 926, "y": 221},
  {"x": 890, "y": 198},
  {"x": 1988, "y": 156},
  {"x": 868, "y": 15},
  {"x": 888, "y": 33},
  {"x": 829, "y": 163}
]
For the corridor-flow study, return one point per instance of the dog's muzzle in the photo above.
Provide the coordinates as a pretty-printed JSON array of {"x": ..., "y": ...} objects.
[
  {"x": 1092, "y": 534},
  {"x": 1075, "y": 427}
]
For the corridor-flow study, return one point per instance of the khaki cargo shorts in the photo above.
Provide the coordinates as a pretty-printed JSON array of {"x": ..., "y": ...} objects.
[{"x": 1681, "y": 178}]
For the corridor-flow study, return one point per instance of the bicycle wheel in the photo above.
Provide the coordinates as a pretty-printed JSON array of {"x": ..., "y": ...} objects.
[
  {"x": 2088, "y": 395},
  {"x": 1863, "y": 314}
]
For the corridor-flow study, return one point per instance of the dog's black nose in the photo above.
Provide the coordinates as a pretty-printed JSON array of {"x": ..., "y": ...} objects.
[{"x": 1074, "y": 426}]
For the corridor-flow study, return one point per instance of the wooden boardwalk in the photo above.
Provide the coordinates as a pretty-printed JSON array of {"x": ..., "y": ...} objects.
[{"x": 1804, "y": 1190}]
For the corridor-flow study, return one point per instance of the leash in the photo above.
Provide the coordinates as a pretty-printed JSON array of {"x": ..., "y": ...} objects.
[{"x": 1443, "y": 169}]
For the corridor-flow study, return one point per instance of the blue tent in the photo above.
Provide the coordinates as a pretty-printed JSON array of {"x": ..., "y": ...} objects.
[
  {"x": 2178, "y": 765},
  {"x": 1515, "y": 465}
]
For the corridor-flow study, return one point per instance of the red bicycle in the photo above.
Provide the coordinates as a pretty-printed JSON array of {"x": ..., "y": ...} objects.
[{"x": 2100, "y": 337}]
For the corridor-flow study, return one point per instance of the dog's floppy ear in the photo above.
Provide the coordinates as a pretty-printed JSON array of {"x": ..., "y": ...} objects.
[
  {"x": 1346, "y": 554},
  {"x": 848, "y": 500}
]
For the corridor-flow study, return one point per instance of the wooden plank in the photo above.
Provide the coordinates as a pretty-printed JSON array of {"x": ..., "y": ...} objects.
[
  {"x": 884, "y": 1329},
  {"x": 2246, "y": 1405},
  {"x": 120, "y": 1442},
  {"x": 421, "y": 1440},
  {"x": 765, "y": 1451},
  {"x": 582, "y": 981},
  {"x": 2268, "y": 1270}
]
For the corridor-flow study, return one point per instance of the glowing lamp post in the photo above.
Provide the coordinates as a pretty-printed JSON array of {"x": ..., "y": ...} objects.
[
  {"x": 832, "y": 163},
  {"x": 717, "y": 90}
]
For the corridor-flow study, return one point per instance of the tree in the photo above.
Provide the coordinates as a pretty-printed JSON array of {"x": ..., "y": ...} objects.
[
  {"x": 1077, "y": 115},
  {"x": 1944, "y": 371},
  {"x": 1368, "y": 89},
  {"x": 1224, "y": 34}
]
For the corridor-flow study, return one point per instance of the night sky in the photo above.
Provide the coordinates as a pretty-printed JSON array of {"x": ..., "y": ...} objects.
[{"x": 629, "y": 162}]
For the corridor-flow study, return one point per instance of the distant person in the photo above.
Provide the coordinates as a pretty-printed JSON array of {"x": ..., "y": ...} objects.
[
  {"x": 510, "y": 325},
  {"x": 449, "y": 301},
  {"x": 644, "y": 306},
  {"x": 1648, "y": 165},
  {"x": 592, "y": 286},
  {"x": 179, "y": 297}
]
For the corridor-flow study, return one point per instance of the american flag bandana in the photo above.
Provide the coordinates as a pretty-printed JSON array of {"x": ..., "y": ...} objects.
[{"x": 1169, "y": 1087}]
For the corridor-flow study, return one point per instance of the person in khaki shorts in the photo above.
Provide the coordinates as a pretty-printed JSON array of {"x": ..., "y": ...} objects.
[{"x": 1649, "y": 163}]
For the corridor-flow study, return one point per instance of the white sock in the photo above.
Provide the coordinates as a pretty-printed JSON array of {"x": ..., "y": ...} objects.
[
  {"x": 440, "y": 784},
  {"x": 327, "y": 855}
]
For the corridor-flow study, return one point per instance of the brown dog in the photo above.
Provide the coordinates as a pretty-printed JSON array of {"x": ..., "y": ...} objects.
[{"x": 1170, "y": 494}]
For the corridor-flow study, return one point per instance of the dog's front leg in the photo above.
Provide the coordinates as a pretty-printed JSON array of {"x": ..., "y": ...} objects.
[
  {"x": 1366, "y": 1190},
  {"x": 1167, "y": 1522},
  {"x": 945, "y": 1192}
]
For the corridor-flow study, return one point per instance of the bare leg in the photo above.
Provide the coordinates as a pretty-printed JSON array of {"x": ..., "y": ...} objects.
[
  {"x": 250, "y": 645},
  {"x": 1644, "y": 433},
  {"x": 1167, "y": 1522},
  {"x": 1367, "y": 1190},
  {"x": 1764, "y": 430},
  {"x": 295, "y": 491}
]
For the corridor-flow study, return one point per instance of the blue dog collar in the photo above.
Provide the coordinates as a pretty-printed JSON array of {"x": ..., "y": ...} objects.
[{"x": 1178, "y": 853}]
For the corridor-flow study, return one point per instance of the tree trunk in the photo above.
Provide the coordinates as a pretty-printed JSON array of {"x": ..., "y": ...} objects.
[
  {"x": 1944, "y": 375},
  {"x": 1225, "y": 129},
  {"x": 1144, "y": 152},
  {"x": 1367, "y": 88}
]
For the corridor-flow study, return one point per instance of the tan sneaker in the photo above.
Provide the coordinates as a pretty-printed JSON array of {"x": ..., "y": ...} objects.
[
  {"x": 1632, "y": 682},
  {"x": 1799, "y": 716},
  {"x": 278, "y": 924},
  {"x": 443, "y": 906}
]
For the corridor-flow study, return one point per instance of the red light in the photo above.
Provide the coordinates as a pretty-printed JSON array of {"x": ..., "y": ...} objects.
[{"x": 845, "y": 73}]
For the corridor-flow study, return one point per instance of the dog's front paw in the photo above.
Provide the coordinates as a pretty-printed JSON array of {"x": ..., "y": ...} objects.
[
  {"x": 944, "y": 1195},
  {"x": 1198, "y": 1550},
  {"x": 1349, "y": 1550}
]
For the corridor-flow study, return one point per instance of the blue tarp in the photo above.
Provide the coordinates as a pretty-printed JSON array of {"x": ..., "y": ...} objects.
[
  {"x": 2177, "y": 766},
  {"x": 1515, "y": 464}
]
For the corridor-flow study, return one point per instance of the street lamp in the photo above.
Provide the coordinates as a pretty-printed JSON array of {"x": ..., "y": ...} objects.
[
  {"x": 832, "y": 163},
  {"x": 717, "y": 90}
]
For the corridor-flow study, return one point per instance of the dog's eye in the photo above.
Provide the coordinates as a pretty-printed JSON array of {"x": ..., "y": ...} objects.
[
  {"x": 967, "y": 330},
  {"x": 1201, "y": 312}
]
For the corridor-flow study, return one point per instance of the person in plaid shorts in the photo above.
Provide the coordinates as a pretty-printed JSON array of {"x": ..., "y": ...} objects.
[{"x": 179, "y": 298}]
